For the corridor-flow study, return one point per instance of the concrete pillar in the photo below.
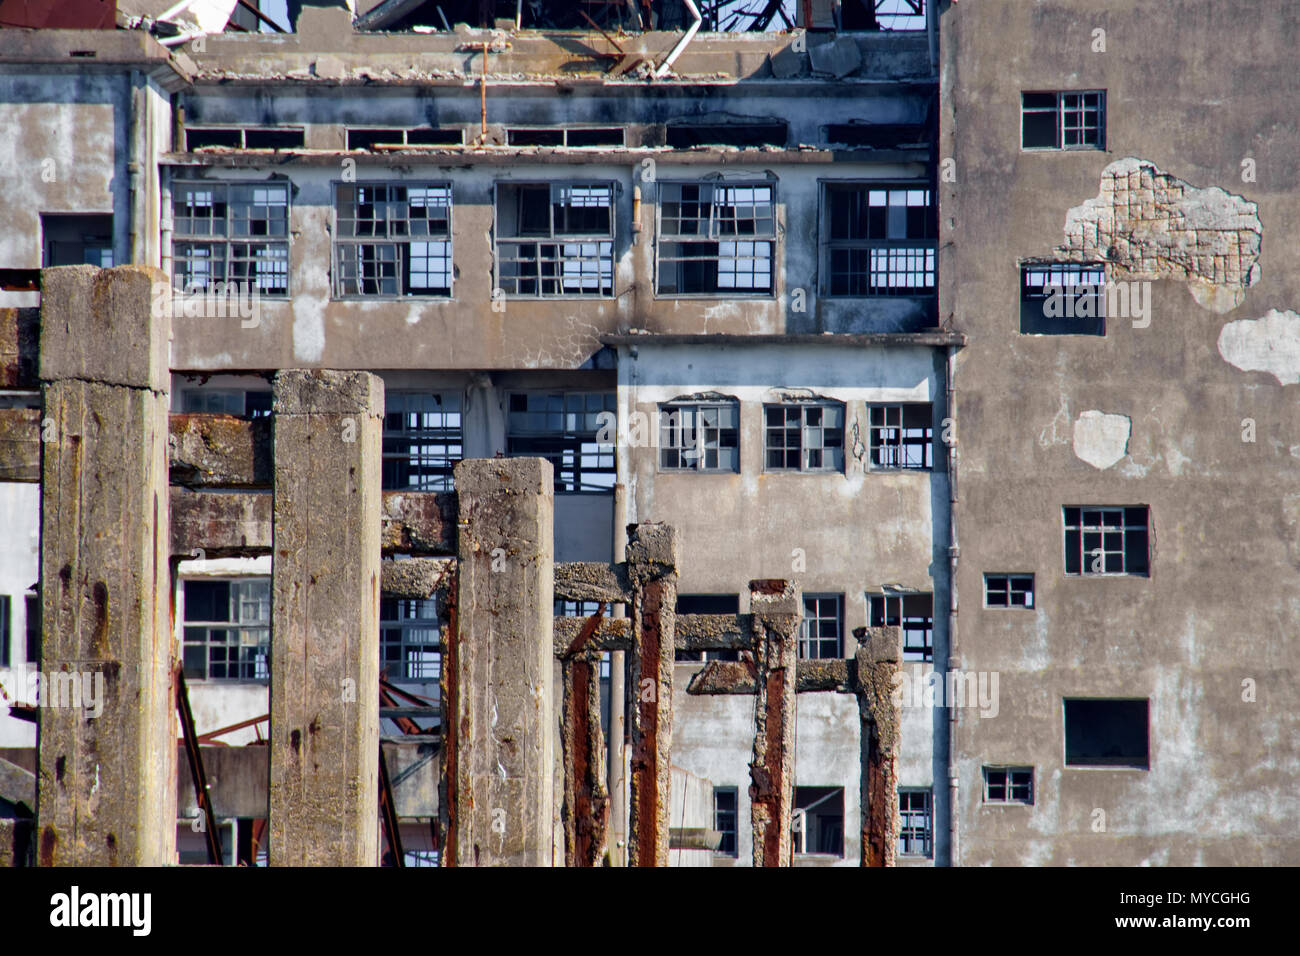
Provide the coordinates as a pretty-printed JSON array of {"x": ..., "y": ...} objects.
[
  {"x": 777, "y": 608},
  {"x": 586, "y": 801},
  {"x": 107, "y": 740},
  {"x": 652, "y": 571},
  {"x": 499, "y": 714},
  {"x": 879, "y": 656},
  {"x": 324, "y": 736}
]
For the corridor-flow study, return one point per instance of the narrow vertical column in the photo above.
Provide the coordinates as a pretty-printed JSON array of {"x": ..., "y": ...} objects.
[
  {"x": 652, "y": 571},
  {"x": 880, "y": 651},
  {"x": 107, "y": 791},
  {"x": 324, "y": 790},
  {"x": 500, "y": 756},
  {"x": 777, "y": 608},
  {"x": 586, "y": 801}
]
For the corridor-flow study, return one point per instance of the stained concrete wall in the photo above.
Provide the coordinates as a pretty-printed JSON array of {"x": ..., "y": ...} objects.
[{"x": 1218, "y": 608}]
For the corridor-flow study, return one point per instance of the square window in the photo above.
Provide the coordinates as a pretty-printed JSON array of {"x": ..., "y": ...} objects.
[
  {"x": 230, "y": 238},
  {"x": 914, "y": 613},
  {"x": 1107, "y": 540},
  {"x": 227, "y": 629},
  {"x": 1062, "y": 298},
  {"x": 1107, "y": 733},
  {"x": 902, "y": 436},
  {"x": 716, "y": 238},
  {"x": 1009, "y": 591},
  {"x": 423, "y": 438},
  {"x": 1009, "y": 785},
  {"x": 555, "y": 240},
  {"x": 879, "y": 239},
  {"x": 821, "y": 634},
  {"x": 699, "y": 437},
  {"x": 575, "y": 431},
  {"x": 392, "y": 239},
  {"x": 804, "y": 437}
]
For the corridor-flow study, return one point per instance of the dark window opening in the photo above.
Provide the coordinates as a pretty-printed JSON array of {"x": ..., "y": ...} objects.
[
  {"x": 1009, "y": 785},
  {"x": 535, "y": 137},
  {"x": 33, "y": 628},
  {"x": 880, "y": 239},
  {"x": 1107, "y": 733},
  {"x": 725, "y": 806},
  {"x": 435, "y": 137},
  {"x": 1107, "y": 540},
  {"x": 1009, "y": 590},
  {"x": 566, "y": 429},
  {"x": 707, "y": 604},
  {"x": 72, "y": 240},
  {"x": 876, "y": 135},
  {"x": 422, "y": 441},
  {"x": 206, "y": 138},
  {"x": 1062, "y": 298},
  {"x": 274, "y": 139},
  {"x": 818, "y": 822},
  {"x": 914, "y": 613},
  {"x": 1063, "y": 120},
  {"x": 686, "y": 135},
  {"x": 594, "y": 136},
  {"x": 4, "y": 629}
]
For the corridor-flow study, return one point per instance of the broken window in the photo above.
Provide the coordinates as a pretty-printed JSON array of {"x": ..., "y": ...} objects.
[
  {"x": 880, "y": 240},
  {"x": 1009, "y": 590},
  {"x": 821, "y": 633},
  {"x": 1063, "y": 120},
  {"x": 1062, "y": 298},
  {"x": 707, "y": 604},
  {"x": 725, "y": 817},
  {"x": 805, "y": 436},
  {"x": 555, "y": 239},
  {"x": 33, "y": 603},
  {"x": 818, "y": 820},
  {"x": 74, "y": 240},
  {"x": 902, "y": 436},
  {"x": 423, "y": 439},
  {"x": 242, "y": 403},
  {"x": 230, "y": 233},
  {"x": 410, "y": 640},
  {"x": 392, "y": 240},
  {"x": 1106, "y": 733},
  {"x": 703, "y": 437},
  {"x": 716, "y": 238},
  {"x": 266, "y": 137},
  {"x": 227, "y": 632},
  {"x": 1106, "y": 540},
  {"x": 371, "y": 139},
  {"x": 572, "y": 137},
  {"x": 563, "y": 428},
  {"x": 1009, "y": 785},
  {"x": 686, "y": 135},
  {"x": 916, "y": 830},
  {"x": 914, "y": 613}
]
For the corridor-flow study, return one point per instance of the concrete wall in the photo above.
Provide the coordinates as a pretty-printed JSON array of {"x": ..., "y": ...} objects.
[{"x": 1214, "y": 618}]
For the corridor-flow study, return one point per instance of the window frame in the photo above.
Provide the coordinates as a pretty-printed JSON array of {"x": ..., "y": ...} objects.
[
  {"x": 1033, "y": 316},
  {"x": 1010, "y": 577},
  {"x": 665, "y": 411},
  {"x": 734, "y": 831},
  {"x": 1093, "y": 764},
  {"x": 906, "y": 812},
  {"x": 828, "y": 246},
  {"x": 423, "y": 437},
  {"x": 567, "y": 441},
  {"x": 802, "y": 450},
  {"x": 926, "y": 649},
  {"x": 402, "y": 257},
  {"x": 900, "y": 444},
  {"x": 228, "y": 238},
  {"x": 1008, "y": 785},
  {"x": 551, "y": 238},
  {"x": 1060, "y": 110},
  {"x": 717, "y": 238},
  {"x": 1086, "y": 555},
  {"x": 427, "y": 617},
  {"x": 259, "y": 661},
  {"x": 807, "y": 640}
]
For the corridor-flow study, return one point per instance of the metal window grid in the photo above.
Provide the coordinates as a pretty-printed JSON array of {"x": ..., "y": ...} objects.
[
  {"x": 575, "y": 254},
  {"x": 563, "y": 427},
  {"x": 902, "y": 436},
  {"x": 914, "y": 613},
  {"x": 915, "y": 835},
  {"x": 699, "y": 437},
  {"x": 237, "y": 648},
  {"x": 410, "y": 639},
  {"x": 804, "y": 437},
  {"x": 725, "y": 810},
  {"x": 1008, "y": 784},
  {"x": 230, "y": 233},
  {"x": 392, "y": 239},
  {"x": 1078, "y": 118},
  {"x": 422, "y": 441},
  {"x": 880, "y": 240},
  {"x": 699, "y": 226},
  {"x": 1009, "y": 590},
  {"x": 1106, "y": 540},
  {"x": 821, "y": 633}
]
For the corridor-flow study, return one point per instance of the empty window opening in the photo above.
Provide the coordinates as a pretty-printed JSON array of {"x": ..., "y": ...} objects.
[
  {"x": 876, "y": 135},
  {"x": 914, "y": 613},
  {"x": 880, "y": 240},
  {"x": 227, "y": 632},
  {"x": 572, "y": 137},
  {"x": 410, "y": 640},
  {"x": 818, "y": 821},
  {"x": 33, "y": 603},
  {"x": 563, "y": 428},
  {"x": 1061, "y": 298},
  {"x": 725, "y": 818},
  {"x": 232, "y": 234},
  {"x": 1063, "y": 120},
  {"x": 1107, "y": 540},
  {"x": 916, "y": 819},
  {"x": 703, "y": 437},
  {"x": 535, "y": 137},
  {"x": 716, "y": 238},
  {"x": 707, "y": 604},
  {"x": 686, "y": 135},
  {"x": 72, "y": 240},
  {"x": 262, "y": 137},
  {"x": 242, "y": 403},
  {"x": 882, "y": 14},
  {"x": 804, "y": 437},
  {"x": 1009, "y": 590},
  {"x": 392, "y": 240},
  {"x": 397, "y": 138},
  {"x": 555, "y": 239},
  {"x": 422, "y": 441},
  {"x": 1106, "y": 733},
  {"x": 5, "y": 610},
  {"x": 902, "y": 436},
  {"x": 821, "y": 633},
  {"x": 1009, "y": 785}
]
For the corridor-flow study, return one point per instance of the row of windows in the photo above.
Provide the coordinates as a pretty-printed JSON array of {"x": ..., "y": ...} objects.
[{"x": 553, "y": 239}]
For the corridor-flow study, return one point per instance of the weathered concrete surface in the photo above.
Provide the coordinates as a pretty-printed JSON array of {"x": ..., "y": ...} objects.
[
  {"x": 219, "y": 451},
  {"x": 592, "y": 581},
  {"x": 324, "y": 731},
  {"x": 878, "y": 660},
  {"x": 416, "y": 578},
  {"x": 106, "y": 792},
  {"x": 15, "y": 841},
  {"x": 586, "y": 798},
  {"x": 652, "y": 559},
  {"x": 1101, "y": 439},
  {"x": 612, "y": 634},
  {"x": 20, "y": 444},
  {"x": 1269, "y": 344},
  {"x": 17, "y": 785},
  {"x": 500, "y": 716},
  {"x": 20, "y": 331},
  {"x": 777, "y": 607}
]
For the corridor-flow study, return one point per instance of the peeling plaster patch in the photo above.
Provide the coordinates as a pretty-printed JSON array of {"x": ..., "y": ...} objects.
[
  {"x": 308, "y": 328},
  {"x": 1101, "y": 439},
  {"x": 1270, "y": 344},
  {"x": 1150, "y": 225}
]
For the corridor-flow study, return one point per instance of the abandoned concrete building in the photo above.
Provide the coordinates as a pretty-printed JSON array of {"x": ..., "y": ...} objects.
[{"x": 818, "y": 314}]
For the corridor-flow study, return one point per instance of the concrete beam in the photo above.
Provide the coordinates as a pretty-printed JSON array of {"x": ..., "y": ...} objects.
[
  {"x": 219, "y": 451},
  {"x": 738, "y": 677},
  {"x": 777, "y": 608},
  {"x": 417, "y": 578},
  {"x": 612, "y": 634},
  {"x": 498, "y": 667},
  {"x": 20, "y": 444},
  {"x": 106, "y": 771},
  {"x": 880, "y": 652},
  {"x": 324, "y": 736},
  {"x": 652, "y": 560},
  {"x": 592, "y": 581},
  {"x": 20, "y": 331}
]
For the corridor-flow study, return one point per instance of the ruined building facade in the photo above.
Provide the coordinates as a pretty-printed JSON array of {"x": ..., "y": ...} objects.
[{"x": 788, "y": 293}]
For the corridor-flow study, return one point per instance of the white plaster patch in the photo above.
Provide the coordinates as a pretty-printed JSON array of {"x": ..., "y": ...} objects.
[
  {"x": 1101, "y": 439},
  {"x": 1148, "y": 224},
  {"x": 1270, "y": 344},
  {"x": 308, "y": 328}
]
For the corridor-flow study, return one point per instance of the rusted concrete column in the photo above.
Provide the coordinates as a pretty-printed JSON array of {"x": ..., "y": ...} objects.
[
  {"x": 499, "y": 713},
  {"x": 880, "y": 651},
  {"x": 652, "y": 571},
  {"x": 107, "y": 792},
  {"x": 777, "y": 608},
  {"x": 324, "y": 791},
  {"x": 586, "y": 801}
]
